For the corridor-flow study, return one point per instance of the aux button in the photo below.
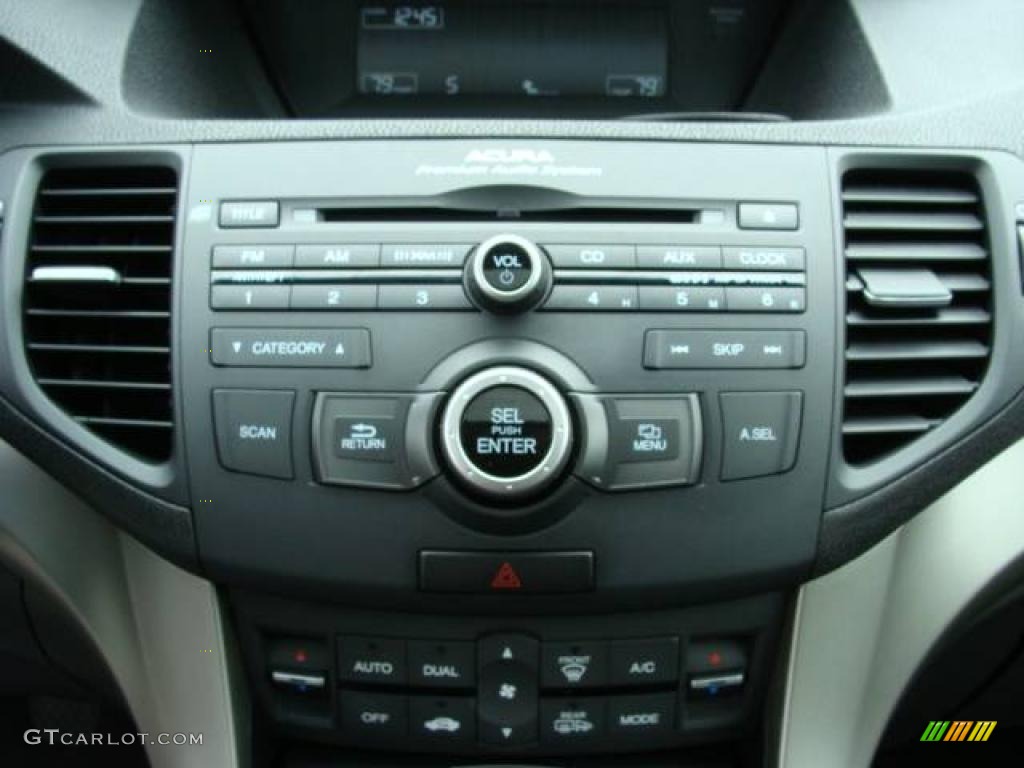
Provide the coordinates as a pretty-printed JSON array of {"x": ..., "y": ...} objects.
[{"x": 506, "y": 433}]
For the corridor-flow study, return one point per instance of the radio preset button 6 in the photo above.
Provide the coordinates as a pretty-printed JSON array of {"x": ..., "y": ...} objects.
[
  {"x": 506, "y": 432},
  {"x": 767, "y": 299}
]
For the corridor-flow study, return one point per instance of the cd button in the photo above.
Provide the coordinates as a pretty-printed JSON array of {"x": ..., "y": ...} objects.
[{"x": 592, "y": 256}]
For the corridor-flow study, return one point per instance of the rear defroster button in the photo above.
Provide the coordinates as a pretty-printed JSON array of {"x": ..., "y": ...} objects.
[{"x": 506, "y": 432}]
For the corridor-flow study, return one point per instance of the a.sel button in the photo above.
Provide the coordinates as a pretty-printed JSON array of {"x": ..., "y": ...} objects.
[
  {"x": 254, "y": 430},
  {"x": 374, "y": 715},
  {"x": 668, "y": 349},
  {"x": 761, "y": 431},
  {"x": 645, "y": 662},
  {"x": 290, "y": 347},
  {"x": 641, "y": 716},
  {"x": 371, "y": 660}
]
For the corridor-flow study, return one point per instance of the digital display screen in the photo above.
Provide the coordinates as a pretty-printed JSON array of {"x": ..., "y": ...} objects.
[{"x": 526, "y": 49}]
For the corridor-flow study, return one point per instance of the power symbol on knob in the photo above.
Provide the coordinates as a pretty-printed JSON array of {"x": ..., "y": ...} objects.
[{"x": 507, "y": 274}]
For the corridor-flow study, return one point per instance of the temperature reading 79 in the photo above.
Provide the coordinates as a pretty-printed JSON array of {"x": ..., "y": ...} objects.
[{"x": 403, "y": 17}]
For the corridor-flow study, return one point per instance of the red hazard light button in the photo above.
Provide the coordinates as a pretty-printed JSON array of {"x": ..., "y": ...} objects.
[{"x": 500, "y": 573}]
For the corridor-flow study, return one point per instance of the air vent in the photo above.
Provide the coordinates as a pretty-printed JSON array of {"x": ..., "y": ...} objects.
[
  {"x": 918, "y": 314},
  {"x": 98, "y": 301}
]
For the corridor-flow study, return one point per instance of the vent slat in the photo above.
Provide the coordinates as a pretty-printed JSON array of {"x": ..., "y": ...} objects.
[
  {"x": 883, "y": 193},
  {"x": 924, "y": 386},
  {"x": 908, "y": 369},
  {"x": 912, "y": 252},
  {"x": 915, "y": 351},
  {"x": 947, "y": 316},
  {"x": 105, "y": 383},
  {"x": 912, "y": 222},
  {"x": 100, "y": 350},
  {"x": 889, "y": 425}
]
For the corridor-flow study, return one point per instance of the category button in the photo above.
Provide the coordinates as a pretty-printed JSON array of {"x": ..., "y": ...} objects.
[
  {"x": 592, "y": 256},
  {"x": 679, "y": 257},
  {"x": 249, "y": 214},
  {"x": 254, "y": 430},
  {"x": 425, "y": 256},
  {"x": 290, "y": 348}
]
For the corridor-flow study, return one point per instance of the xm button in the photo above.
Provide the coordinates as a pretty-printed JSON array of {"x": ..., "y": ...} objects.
[{"x": 506, "y": 433}]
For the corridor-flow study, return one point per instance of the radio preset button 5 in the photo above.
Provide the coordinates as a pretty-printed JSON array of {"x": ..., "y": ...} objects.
[{"x": 506, "y": 432}]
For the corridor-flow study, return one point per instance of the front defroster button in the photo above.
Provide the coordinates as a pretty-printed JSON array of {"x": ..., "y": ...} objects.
[{"x": 761, "y": 433}]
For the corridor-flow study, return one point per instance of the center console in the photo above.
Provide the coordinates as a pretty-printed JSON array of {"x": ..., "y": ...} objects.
[{"x": 467, "y": 380}]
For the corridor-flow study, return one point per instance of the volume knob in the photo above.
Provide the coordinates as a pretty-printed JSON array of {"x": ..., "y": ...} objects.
[{"x": 507, "y": 274}]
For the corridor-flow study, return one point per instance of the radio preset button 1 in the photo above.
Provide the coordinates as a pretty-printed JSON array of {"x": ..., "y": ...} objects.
[
  {"x": 679, "y": 257},
  {"x": 592, "y": 256},
  {"x": 361, "y": 256},
  {"x": 250, "y": 296}
]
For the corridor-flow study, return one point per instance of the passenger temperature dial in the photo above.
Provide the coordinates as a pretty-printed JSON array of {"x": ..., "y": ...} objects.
[{"x": 506, "y": 433}]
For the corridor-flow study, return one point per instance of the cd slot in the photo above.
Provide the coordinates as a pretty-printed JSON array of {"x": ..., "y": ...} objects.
[{"x": 582, "y": 214}]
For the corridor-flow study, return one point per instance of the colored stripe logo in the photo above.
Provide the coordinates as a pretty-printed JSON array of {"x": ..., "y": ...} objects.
[{"x": 958, "y": 730}]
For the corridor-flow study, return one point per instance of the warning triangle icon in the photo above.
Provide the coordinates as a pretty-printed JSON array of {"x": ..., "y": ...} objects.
[{"x": 506, "y": 578}]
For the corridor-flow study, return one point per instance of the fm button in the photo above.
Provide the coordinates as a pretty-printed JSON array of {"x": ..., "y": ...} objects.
[
  {"x": 508, "y": 274},
  {"x": 506, "y": 433}
]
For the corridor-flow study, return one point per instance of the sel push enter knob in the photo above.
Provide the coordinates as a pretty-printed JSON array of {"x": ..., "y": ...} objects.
[
  {"x": 506, "y": 433},
  {"x": 507, "y": 274}
]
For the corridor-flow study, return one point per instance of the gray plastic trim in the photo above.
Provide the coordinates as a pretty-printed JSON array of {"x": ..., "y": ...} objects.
[{"x": 863, "y": 630}]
